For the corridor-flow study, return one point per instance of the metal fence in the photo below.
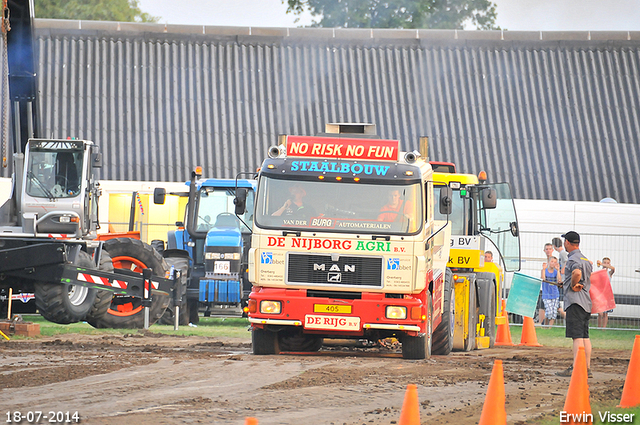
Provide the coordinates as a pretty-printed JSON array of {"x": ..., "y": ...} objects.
[{"x": 624, "y": 252}]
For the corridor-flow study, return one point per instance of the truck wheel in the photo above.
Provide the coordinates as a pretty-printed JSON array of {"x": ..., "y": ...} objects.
[
  {"x": 443, "y": 334},
  {"x": 103, "y": 298},
  {"x": 264, "y": 342},
  {"x": 420, "y": 347},
  {"x": 126, "y": 312},
  {"x": 64, "y": 304},
  {"x": 299, "y": 342},
  {"x": 182, "y": 264}
]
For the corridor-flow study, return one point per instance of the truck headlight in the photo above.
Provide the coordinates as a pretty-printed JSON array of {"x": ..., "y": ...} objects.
[
  {"x": 270, "y": 307},
  {"x": 395, "y": 312}
]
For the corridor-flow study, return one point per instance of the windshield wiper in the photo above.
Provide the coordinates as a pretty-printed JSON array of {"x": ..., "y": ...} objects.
[{"x": 44, "y": 189}]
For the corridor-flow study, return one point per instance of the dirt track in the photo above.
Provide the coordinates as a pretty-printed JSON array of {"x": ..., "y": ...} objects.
[{"x": 157, "y": 379}]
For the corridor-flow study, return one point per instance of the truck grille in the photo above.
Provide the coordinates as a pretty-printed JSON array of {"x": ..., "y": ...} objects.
[{"x": 345, "y": 270}]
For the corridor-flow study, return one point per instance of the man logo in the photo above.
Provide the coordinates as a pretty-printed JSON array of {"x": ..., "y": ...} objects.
[
  {"x": 266, "y": 257},
  {"x": 334, "y": 277},
  {"x": 393, "y": 264}
]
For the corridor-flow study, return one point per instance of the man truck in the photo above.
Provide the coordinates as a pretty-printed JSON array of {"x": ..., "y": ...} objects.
[{"x": 346, "y": 244}]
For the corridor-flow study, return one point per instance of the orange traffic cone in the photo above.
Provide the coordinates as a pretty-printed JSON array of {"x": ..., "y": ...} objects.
[
  {"x": 250, "y": 421},
  {"x": 631, "y": 390},
  {"x": 494, "y": 411},
  {"x": 577, "y": 407},
  {"x": 529, "y": 337},
  {"x": 410, "y": 414},
  {"x": 503, "y": 337}
]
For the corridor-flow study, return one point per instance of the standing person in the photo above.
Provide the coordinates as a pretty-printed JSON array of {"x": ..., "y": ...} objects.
[
  {"x": 548, "y": 251},
  {"x": 577, "y": 300},
  {"x": 550, "y": 280},
  {"x": 603, "y": 318},
  {"x": 562, "y": 260}
]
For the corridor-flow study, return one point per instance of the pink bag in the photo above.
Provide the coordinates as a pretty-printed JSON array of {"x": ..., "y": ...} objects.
[{"x": 601, "y": 292}]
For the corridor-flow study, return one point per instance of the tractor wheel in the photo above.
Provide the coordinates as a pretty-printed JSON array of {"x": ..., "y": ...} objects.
[
  {"x": 126, "y": 312},
  {"x": 264, "y": 342},
  {"x": 420, "y": 347},
  {"x": 182, "y": 264},
  {"x": 443, "y": 334},
  {"x": 297, "y": 341},
  {"x": 64, "y": 304}
]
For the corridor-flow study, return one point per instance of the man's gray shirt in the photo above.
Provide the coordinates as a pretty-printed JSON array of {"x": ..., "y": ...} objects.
[{"x": 577, "y": 261}]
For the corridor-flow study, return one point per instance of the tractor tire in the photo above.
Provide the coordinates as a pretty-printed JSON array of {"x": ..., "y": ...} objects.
[
  {"x": 182, "y": 264},
  {"x": 126, "y": 312},
  {"x": 264, "y": 342},
  {"x": 443, "y": 334},
  {"x": 103, "y": 298},
  {"x": 420, "y": 347},
  {"x": 299, "y": 342},
  {"x": 64, "y": 304},
  {"x": 474, "y": 311}
]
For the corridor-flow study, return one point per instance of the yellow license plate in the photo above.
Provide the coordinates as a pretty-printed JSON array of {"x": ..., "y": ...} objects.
[{"x": 330, "y": 308}]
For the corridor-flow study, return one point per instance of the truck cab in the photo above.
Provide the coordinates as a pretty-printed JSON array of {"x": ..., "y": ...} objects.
[{"x": 345, "y": 244}]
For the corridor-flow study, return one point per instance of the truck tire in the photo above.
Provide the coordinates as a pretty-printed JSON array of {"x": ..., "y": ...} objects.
[
  {"x": 103, "y": 298},
  {"x": 182, "y": 264},
  {"x": 264, "y": 342},
  {"x": 64, "y": 304},
  {"x": 420, "y": 347},
  {"x": 126, "y": 312},
  {"x": 443, "y": 334},
  {"x": 297, "y": 341}
]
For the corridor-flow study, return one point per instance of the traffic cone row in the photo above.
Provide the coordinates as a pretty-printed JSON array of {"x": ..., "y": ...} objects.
[{"x": 577, "y": 405}]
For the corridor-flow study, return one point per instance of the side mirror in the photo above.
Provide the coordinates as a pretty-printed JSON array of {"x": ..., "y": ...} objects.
[
  {"x": 489, "y": 198},
  {"x": 159, "y": 193},
  {"x": 240, "y": 200},
  {"x": 96, "y": 157},
  {"x": 513, "y": 226},
  {"x": 446, "y": 203}
]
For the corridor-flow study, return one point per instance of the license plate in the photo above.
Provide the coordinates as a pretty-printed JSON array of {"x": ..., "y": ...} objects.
[
  {"x": 329, "y": 308},
  {"x": 222, "y": 267},
  {"x": 316, "y": 321}
]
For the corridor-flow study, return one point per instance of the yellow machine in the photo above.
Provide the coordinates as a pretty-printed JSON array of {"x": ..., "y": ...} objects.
[{"x": 483, "y": 219}]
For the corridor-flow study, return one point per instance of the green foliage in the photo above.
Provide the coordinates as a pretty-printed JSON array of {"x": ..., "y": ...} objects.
[
  {"x": 93, "y": 10},
  {"x": 409, "y": 14}
]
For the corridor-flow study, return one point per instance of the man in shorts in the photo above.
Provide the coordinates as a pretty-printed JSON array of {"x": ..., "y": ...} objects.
[{"x": 577, "y": 281}]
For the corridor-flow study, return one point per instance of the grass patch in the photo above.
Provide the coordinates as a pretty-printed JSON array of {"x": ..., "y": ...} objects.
[
  {"x": 208, "y": 326},
  {"x": 600, "y": 338}
]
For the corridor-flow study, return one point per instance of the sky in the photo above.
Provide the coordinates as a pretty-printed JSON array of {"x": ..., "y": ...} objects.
[{"x": 515, "y": 15}]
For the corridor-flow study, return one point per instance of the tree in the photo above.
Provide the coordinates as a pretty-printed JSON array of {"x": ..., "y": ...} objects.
[
  {"x": 93, "y": 10},
  {"x": 410, "y": 14}
]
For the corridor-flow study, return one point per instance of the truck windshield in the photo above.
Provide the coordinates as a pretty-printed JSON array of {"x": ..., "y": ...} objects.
[
  {"x": 54, "y": 174},
  {"x": 216, "y": 208},
  {"x": 459, "y": 219},
  {"x": 339, "y": 207}
]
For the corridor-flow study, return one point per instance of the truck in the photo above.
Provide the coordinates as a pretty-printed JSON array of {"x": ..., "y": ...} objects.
[
  {"x": 483, "y": 219},
  {"x": 49, "y": 224},
  {"x": 210, "y": 246},
  {"x": 331, "y": 257}
]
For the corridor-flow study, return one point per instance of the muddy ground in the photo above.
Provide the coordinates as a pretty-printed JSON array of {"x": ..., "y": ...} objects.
[{"x": 149, "y": 378}]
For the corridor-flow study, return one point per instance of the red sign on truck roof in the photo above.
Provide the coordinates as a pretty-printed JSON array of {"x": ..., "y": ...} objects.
[{"x": 330, "y": 147}]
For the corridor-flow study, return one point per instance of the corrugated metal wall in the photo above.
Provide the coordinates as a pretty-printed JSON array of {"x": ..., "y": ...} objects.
[{"x": 556, "y": 115}]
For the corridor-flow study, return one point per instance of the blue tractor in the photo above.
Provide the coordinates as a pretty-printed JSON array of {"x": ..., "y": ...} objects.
[{"x": 210, "y": 247}]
